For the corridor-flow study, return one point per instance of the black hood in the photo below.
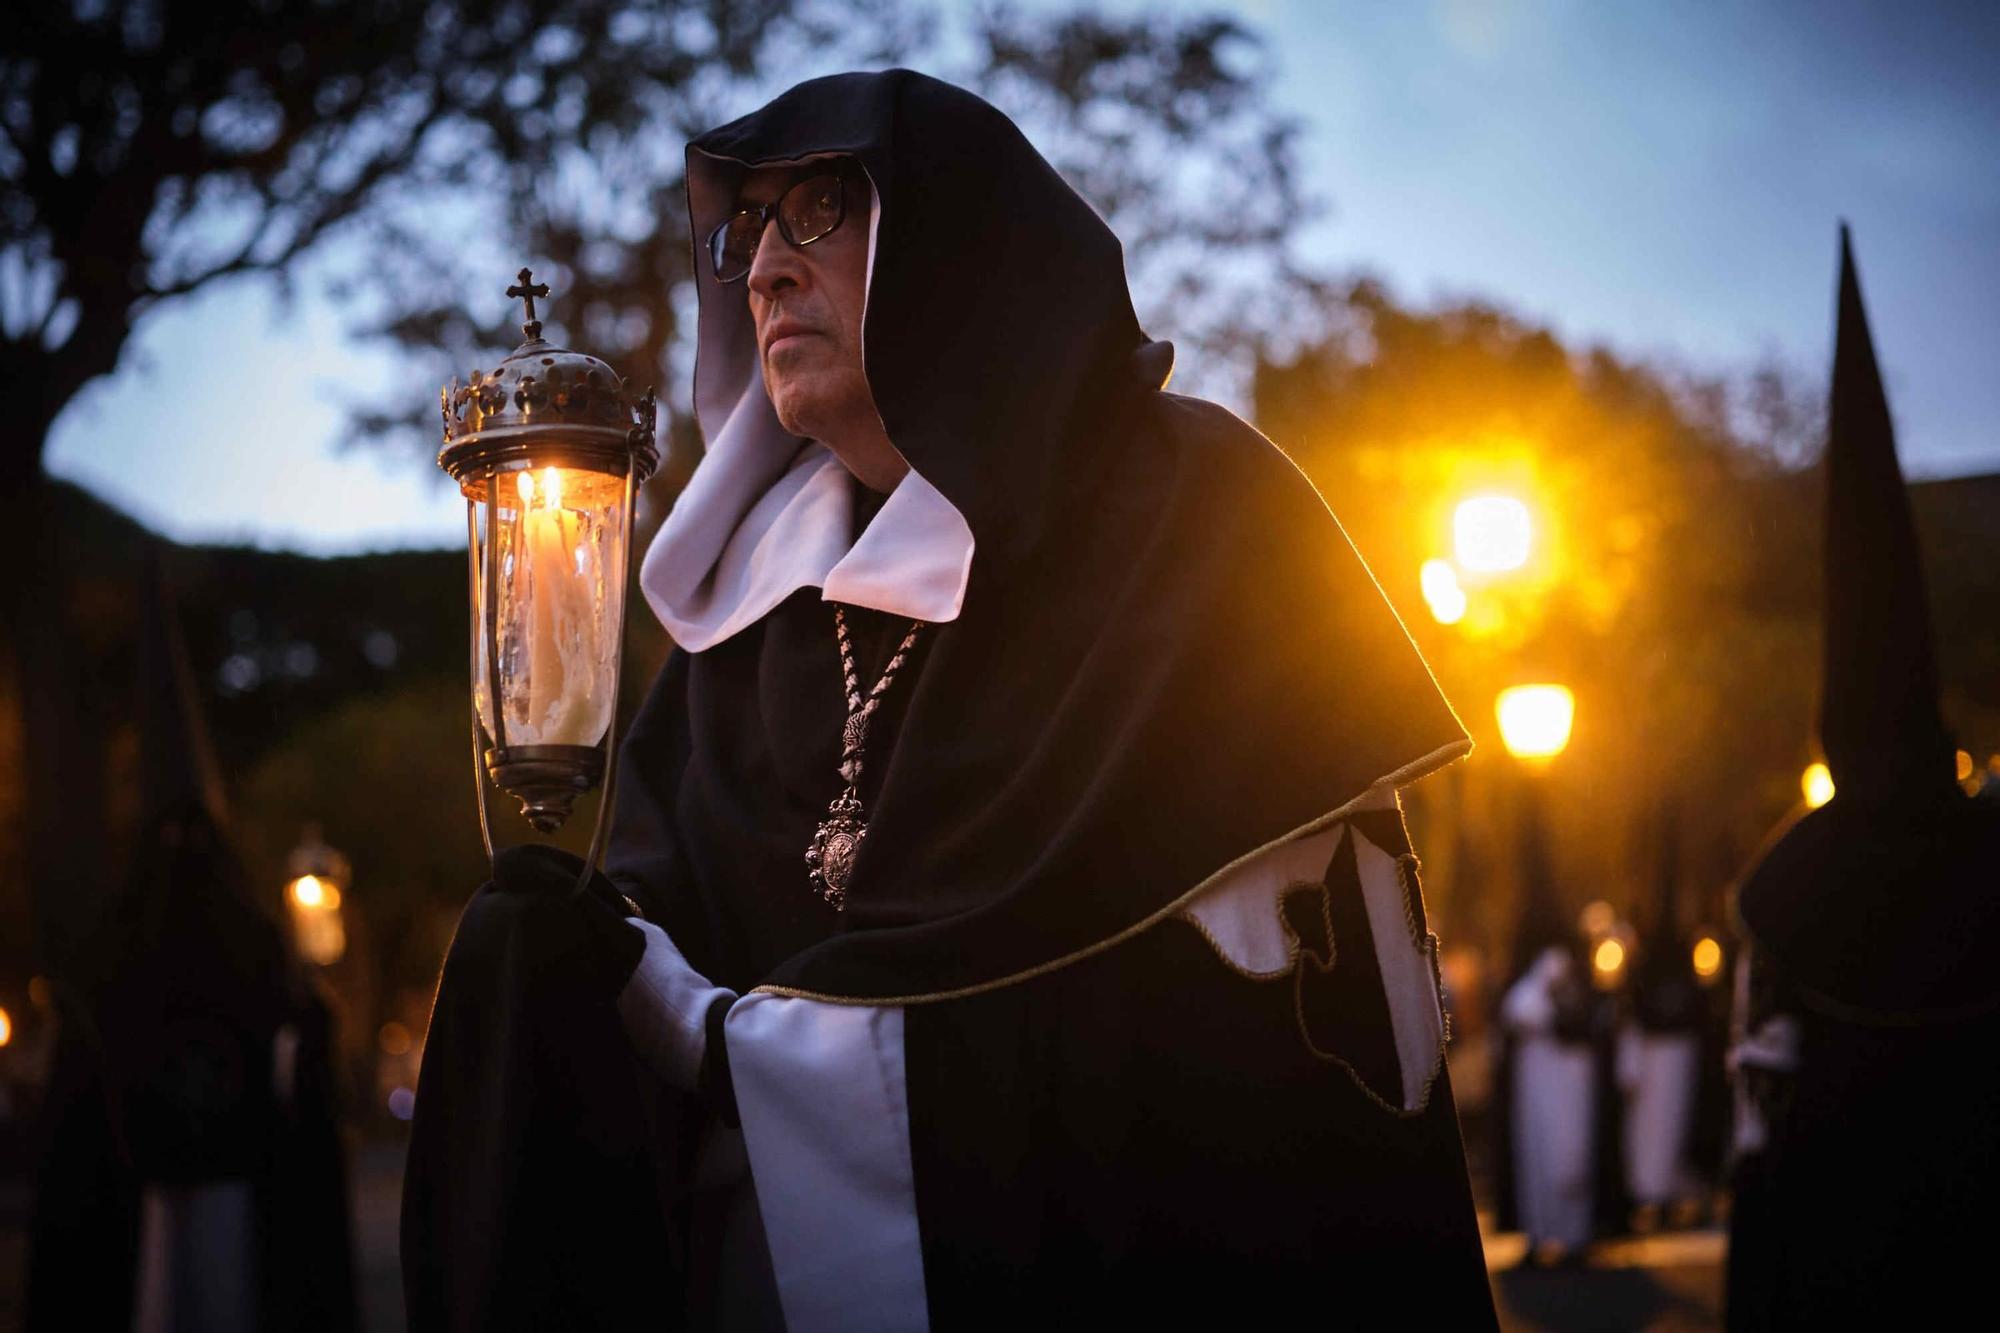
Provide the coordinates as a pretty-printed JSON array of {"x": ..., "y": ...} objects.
[
  {"x": 1166, "y": 655},
  {"x": 997, "y": 302},
  {"x": 1884, "y": 904}
]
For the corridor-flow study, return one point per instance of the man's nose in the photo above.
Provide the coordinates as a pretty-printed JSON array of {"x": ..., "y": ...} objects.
[{"x": 776, "y": 266}]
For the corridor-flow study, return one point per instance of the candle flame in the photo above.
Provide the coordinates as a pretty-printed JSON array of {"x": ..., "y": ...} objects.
[{"x": 524, "y": 482}]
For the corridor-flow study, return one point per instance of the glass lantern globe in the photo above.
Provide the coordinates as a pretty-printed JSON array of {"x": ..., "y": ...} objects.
[{"x": 549, "y": 449}]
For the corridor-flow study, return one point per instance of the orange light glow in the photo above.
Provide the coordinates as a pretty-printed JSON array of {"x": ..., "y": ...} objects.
[
  {"x": 1608, "y": 957},
  {"x": 309, "y": 891},
  {"x": 6, "y": 1028},
  {"x": 1817, "y": 784},
  {"x": 1535, "y": 720},
  {"x": 1441, "y": 591},
  {"x": 1964, "y": 765},
  {"x": 1491, "y": 534},
  {"x": 1707, "y": 957},
  {"x": 394, "y": 1038}
]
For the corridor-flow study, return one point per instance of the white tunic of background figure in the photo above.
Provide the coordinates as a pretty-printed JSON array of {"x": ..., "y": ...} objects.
[
  {"x": 1658, "y": 1073},
  {"x": 1555, "y": 1092}
]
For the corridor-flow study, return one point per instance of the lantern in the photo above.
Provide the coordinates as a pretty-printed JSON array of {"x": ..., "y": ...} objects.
[
  {"x": 548, "y": 449},
  {"x": 316, "y": 877}
]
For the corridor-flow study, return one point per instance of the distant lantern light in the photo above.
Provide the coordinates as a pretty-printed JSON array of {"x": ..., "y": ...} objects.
[
  {"x": 1817, "y": 784},
  {"x": 1491, "y": 534},
  {"x": 317, "y": 873},
  {"x": 1964, "y": 765},
  {"x": 6, "y": 1027},
  {"x": 1707, "y": 957},
  {"x": 1535, "y": 720},
  {"x": 1441, "y": 591},
  {"x": 1607, "y": 961}
]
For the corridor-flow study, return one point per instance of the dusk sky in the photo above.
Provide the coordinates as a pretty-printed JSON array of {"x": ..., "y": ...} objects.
[{"x": 1665, "y": 178}]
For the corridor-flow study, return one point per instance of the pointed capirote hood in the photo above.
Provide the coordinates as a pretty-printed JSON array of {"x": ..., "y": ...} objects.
[
  {"x": 1880, "y": 906},
  {"x": 177, "y": 756},
  {"x": 1663, "y": 927},
  {"x": 1880, "y": 726},
  {"x": 1666, "y": 996},
  {"x": 1543, "y": 922}
]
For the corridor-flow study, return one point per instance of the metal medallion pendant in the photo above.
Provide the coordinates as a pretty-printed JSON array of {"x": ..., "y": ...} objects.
[
  {"x": 830, "y": 859},
  {"x": 837, "y": 843}
]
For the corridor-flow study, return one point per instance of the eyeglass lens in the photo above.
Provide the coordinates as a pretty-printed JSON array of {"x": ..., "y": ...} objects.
[{"x": 805, "y": 212}]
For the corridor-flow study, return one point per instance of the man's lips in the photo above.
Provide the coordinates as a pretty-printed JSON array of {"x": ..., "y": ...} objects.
[{"x": 782, "y": 330}]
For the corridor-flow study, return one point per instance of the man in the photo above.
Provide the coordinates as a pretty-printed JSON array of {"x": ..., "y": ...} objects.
[
  {"x": 1015, "y": 826},
  {"x": 1868, "y": 1007}
]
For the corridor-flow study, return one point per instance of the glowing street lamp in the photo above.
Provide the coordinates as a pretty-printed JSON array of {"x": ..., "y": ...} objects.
[
  {"x": 1817, "y": 785},
  {"x": 1535, "y": 720},
  {"x": 1441, "y": 591},
  {"x": 316, "y": 878},
  {"x": 548, "y": 449},
  {"x": 1491, "y": 534}
]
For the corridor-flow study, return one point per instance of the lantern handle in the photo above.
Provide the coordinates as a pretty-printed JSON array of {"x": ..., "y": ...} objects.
[{"x": 610, "y": 790}]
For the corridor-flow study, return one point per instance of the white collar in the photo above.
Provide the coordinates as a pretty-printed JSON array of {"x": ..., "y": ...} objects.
[
  {"x": 766, "y": 513},
  {"x": 706, "y": 577}
]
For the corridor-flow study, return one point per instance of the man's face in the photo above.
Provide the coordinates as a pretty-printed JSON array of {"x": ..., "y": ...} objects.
[{"x": 806, "y": 302}]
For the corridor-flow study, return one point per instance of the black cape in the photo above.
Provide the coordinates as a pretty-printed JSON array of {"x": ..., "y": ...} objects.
[{"x": 1169, "y": 658}]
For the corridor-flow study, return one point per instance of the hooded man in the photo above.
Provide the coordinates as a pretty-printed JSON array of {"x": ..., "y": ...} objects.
[
  {"x": 1029, "y": 929},
  {"x": 1868, "y": 1156},
  {"x": 1661, "y": 1051}
]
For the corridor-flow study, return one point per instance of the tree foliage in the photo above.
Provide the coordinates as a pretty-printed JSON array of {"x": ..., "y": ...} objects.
[
  {"x": 149, "y": 148},
  {"x": 1673, "y": 586}
]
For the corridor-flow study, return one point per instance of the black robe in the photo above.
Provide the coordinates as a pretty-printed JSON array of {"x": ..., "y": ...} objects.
[
  {"x": 1169, "y": 660},
  {"x": 1871, "y": 927}
]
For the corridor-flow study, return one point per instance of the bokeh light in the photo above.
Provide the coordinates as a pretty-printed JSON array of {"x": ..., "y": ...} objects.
[
  {"x": 1441, "y": 591},
  {"x": 1817, "y": 784},
  {"x": 1707, "y": 957},
  {"x": 1491, "y": 534},
  {"x": 1535, "y": 720},
  {"x": 6, "y": 1027}
]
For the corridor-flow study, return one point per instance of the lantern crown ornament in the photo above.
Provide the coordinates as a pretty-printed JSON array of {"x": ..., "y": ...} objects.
[
  {"x": 564, "y": 408},
  {"x": 548, "y": 448}
]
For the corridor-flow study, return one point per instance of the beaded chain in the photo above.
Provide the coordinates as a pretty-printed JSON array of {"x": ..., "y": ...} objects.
[{"x": 830, "y": 859}]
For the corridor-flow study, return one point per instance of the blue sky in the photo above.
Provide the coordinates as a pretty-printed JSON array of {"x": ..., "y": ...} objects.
[{"x": 1664, "y": 177}]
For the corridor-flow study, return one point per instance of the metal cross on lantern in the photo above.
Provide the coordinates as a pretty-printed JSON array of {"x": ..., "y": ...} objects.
[{"x": 549, "y": 449}]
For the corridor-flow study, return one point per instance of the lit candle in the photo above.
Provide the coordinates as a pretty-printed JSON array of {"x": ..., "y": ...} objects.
[{"x": 557, "y": 609}]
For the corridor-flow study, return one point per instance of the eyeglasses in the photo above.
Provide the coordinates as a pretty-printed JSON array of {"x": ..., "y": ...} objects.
[{"x": 807, "y": 211}]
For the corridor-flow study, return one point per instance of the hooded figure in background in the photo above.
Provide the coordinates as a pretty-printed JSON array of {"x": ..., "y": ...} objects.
[
  {"x": 1028, "y": 919},
  {"x": 1868, "y": 1125},
  {"x": 1553, "y": 1099},
  {"x": 1661, "y": 1050},
  {"x": 192, "y": 1176}
]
